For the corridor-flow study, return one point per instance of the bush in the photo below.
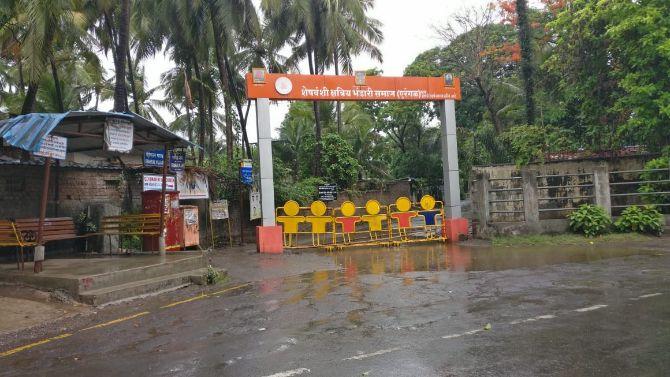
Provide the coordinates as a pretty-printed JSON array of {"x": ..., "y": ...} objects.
[
  {"x": 640, "y": 219},
  {"x": 590, "y": 220},
  {"x": 212, "y": 276}
]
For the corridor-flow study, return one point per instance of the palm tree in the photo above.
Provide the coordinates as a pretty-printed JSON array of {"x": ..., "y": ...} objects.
[
  {"x": 229, "y": 18},
  {"x": 349, "y": 31},
  {"x": 359, "y": 130},
  {"x": 326, "y": 32},
  {"x": 122, "y": 47},
  {"x": 34, "y": 26}
]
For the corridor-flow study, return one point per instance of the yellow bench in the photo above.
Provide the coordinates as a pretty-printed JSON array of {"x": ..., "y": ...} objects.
[{"x": 146, "y": 224}]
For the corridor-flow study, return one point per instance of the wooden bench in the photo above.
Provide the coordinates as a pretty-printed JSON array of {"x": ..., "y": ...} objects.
[
  {"x": 55, "y": 229},
  {"x": 9, "y": 237},
  {"x": 146, "y": 224}
]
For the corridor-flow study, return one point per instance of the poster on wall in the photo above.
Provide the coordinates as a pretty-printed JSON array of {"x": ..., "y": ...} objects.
[
  {"x": 155, "y": 159},
  {"x": 54, "y": 147},
  {"x": 254, "y": 204},
  {"x": 118, "y": 135},
  {"x": 151, "y": 182},
  {"x": 192, "y": 185},
  {"x": 219, "y": 209}
]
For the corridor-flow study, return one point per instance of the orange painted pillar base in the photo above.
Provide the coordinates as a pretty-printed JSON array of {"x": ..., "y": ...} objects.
[
  {"x": 455, "y": 229},
  {"x": 269, "y": 239}
]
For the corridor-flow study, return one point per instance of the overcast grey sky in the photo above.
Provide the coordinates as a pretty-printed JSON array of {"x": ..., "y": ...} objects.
[{"x": 408, "y": 31}]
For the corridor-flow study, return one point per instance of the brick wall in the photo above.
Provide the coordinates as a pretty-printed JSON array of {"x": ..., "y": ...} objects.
[{"x": 77, "y": 189}]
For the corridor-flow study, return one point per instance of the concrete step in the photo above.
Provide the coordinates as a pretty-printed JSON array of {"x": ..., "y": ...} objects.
[
  {"x": 120, "y": 277},
  {"x": 143, "y": 288},
  {"x": 134, "y": 289}
]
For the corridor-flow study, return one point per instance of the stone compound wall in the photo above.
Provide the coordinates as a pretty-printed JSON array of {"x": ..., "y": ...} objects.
[{"x": 537, "y": 198}]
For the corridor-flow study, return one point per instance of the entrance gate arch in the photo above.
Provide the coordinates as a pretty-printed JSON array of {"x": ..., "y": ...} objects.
[{"x": 264, "y": 87}]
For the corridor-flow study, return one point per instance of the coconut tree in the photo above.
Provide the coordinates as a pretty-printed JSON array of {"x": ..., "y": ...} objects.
[{"x": 349, "y": 31}]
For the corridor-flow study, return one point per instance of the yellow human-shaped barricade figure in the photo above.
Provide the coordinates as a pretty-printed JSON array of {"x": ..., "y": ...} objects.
[
  {"x": 318, "y": 221},
  {"x": 374, "y": 218},
  {"x": 403, "y": 216},
  {"x": 290, "y": 221},
  {"x": 430, "y": 215},
  {"x": 347, "y": 221}
]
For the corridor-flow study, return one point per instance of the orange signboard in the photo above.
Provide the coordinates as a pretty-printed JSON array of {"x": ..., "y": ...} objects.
[{"x": 277, "y": 86}]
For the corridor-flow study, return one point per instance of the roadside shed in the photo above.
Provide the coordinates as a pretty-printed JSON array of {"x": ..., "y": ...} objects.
[{"x": 87, "y": 134}]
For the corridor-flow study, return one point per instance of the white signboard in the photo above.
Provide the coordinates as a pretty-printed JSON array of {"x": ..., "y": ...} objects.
[
  {"x": 219, "y": 209},
  {"x": 192, "y": 185},
  {"x": 54, "y": 147},
  {"x": 118, "y": 135},
  {"x": 254, "y": 205},
  {"x": 152, "y": 182}
]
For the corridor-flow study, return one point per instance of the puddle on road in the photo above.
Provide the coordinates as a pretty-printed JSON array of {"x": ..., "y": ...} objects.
[
  {"x": 403, "y": 261},
  {"x": 439, "y": 257}
]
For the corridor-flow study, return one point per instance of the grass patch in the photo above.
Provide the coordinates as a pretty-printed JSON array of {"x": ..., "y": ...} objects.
[{"x": 566, "y": 239}]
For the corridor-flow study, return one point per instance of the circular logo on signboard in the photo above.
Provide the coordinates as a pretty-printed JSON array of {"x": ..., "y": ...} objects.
[{"x": 283, "y": 85}]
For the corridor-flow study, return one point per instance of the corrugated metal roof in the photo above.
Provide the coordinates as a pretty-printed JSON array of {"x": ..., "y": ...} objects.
[{"x": 28, "y": 131}]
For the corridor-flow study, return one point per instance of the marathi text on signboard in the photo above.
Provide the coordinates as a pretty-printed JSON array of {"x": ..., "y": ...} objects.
[
  {"x": 254, "y": 205},
  {"x": 155, "y": 159},
  {"x": 246, "y": 172},
  {"x": 54, "y": 147},
  {"x": 349, "y": 88},
  {"x": 219, "y": 209},
  {"x": 192, "y": 185},
  {"x": 118, "y": 135},
  {"x": 328, "y": 193},
  {"x": 152, "y": 182}
]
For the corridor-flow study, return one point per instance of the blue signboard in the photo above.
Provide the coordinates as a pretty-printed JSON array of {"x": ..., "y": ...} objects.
[
  {"x": 155, "y": 159},
  {"x": 246, "y": 173}
]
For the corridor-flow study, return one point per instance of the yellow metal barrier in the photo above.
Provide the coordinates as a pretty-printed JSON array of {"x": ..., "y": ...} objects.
[{"x": 371, "y": 225}]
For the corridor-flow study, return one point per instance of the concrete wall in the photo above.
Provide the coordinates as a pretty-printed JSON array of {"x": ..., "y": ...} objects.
[{"x": 509, "y": 200}]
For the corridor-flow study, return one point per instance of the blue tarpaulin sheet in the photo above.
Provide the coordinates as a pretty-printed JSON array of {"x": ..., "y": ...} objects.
[{"x": 28, "y": 131}]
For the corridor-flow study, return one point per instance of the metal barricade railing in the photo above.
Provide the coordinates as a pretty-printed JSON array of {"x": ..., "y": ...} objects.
[{"x": 371, "y": 225}]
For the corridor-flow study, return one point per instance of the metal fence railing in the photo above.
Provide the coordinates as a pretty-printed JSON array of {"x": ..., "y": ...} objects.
[
  {"x": 630, "y": 188},
  {"x": 559, "y": 194}
]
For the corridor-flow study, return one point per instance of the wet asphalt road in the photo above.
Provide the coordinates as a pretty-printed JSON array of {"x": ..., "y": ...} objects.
[{"x": 419, "y": 311}]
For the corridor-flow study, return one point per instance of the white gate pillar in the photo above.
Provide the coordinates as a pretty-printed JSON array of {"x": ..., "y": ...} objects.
[
  {"x": 452, "y": 190},
  {"x": 267, "y": 188}
]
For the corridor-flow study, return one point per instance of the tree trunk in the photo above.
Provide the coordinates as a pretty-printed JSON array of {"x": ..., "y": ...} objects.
[
  {"x": 201, "y": 111},
  {"x": 338, "y": 104},
  {"x": 120, "y": 90},
  {"x": 311, "y": 57},
  {"x": 22, "y": 84},
  {"x": 210, "y": 111},
  {"x": 526, "y": 58},
  {"x": 131, "y": 78},
  {"x": 488, "y": 101},
  {"x": 225, "y": 85},
  {"x": 59, "y": 93},
  {"x": 30, "y": 99},
  {"x": 238, "y": 106},
  {"x": 245, "y": 136}
]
